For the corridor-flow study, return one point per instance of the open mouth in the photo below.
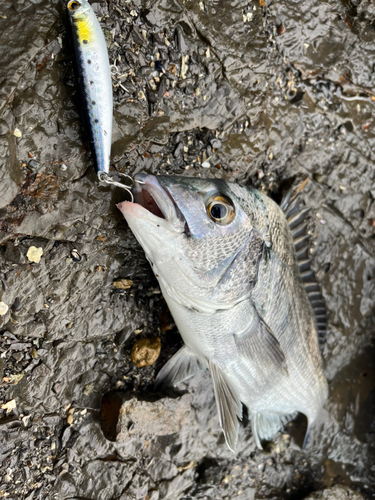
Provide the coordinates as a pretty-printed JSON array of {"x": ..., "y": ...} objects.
[
  {"x": 144, "y": 198},
  {"x": 157, "y": 200}
]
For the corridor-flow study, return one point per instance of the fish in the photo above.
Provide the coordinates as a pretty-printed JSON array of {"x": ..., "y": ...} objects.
[
  {"x": 94, "y": 77},
  {"x": 234, "y": 269}
]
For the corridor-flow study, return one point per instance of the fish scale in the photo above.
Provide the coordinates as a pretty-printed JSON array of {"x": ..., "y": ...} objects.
[{"x": 233, "y": 286}]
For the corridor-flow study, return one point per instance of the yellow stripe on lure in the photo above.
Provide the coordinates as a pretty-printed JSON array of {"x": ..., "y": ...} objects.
[
  {"x": 94, "y": 77},
  {"x": 84, "y": 30}
]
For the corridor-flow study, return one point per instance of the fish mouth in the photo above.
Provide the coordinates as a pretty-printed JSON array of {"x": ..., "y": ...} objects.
[{"x": 157, "y": 200}]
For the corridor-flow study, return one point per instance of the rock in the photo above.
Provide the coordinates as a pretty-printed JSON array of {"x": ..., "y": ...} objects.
[
  {"x": 337, "y": 492},
  {"x": 88, "y": 389},
  {"x": 33, "y": 164},
  {"x": 122, "y": 284},
  {"x": 216, "y": 143},
  {"x": 9, "y": 406},
  {"x": 3, "y": 308},
  {"x": 152, "y": 417},
  {"x": 161, "y": 469},
  {"x": 146, "y": 351},
  {"x": 16, "y": 306},
  {"x": 170, "y": 490}
]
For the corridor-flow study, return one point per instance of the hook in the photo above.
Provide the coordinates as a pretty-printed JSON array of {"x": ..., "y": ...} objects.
[{"x": 104, "y": 177}]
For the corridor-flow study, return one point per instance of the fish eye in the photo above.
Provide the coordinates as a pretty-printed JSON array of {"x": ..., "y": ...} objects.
[
  {"x": 74, "y": 5},
  {"x": 220, "y": 209}
]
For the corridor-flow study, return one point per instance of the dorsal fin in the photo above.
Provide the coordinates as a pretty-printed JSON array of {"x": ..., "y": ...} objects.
[{"x": 297, "y": 216}]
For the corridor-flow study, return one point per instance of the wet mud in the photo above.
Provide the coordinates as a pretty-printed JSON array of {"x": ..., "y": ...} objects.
[{"x": 259, "y": 92}]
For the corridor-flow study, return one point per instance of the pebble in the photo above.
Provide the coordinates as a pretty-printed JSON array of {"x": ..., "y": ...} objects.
[
  {"x": 75, "y": 255},
  {"x": 26, "y": 420},
  {"x": 16, "y": 306},
  {"x": 146, "y": 351},
  {"x": 18, "y": 356},
  {"x": 122, "y": 284},
  {"x": 184, "y": 66},
  {"x": 34, "y": 254},
  {"x": 3, "y": 308},
  {"x": 15, "y": 378},
  {"x": 33, "y": 164},
  {"x": 9, "y": 406},
  {"x": 88, "y": 390},
  {"x": 216, "y": 143},
  {"x": 17, "y": 132}
]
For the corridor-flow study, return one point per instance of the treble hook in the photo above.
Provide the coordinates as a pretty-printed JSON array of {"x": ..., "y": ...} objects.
[{"x": 104, "y": 177}]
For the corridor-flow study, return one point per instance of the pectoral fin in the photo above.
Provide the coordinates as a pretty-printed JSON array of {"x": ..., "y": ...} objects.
[
  {"x": 183, "y": 365},
  {"x": 260, "y": 344},
  {"x": 228, "y": 404}
]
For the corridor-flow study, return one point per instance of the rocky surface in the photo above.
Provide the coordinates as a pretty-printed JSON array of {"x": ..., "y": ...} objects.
[{"x": 255, "y": 91}]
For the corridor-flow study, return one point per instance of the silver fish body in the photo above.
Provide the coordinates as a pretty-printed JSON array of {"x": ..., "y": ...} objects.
[
  {"x": 94, "y": 76},
  {"x": 225, "y": 260}
]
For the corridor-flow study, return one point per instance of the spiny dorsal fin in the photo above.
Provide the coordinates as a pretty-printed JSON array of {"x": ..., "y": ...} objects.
[
  {"x": 297, "y": 217},
  {"x": 228, "y": 405},
  {"x": 183, "y": 365}
]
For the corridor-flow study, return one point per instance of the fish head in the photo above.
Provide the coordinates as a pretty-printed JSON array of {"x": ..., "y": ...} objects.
[{"x": 193, "y": 231}]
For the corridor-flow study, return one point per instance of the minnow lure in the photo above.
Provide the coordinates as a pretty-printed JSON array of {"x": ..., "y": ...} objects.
[{"x": 94, "y": 75}]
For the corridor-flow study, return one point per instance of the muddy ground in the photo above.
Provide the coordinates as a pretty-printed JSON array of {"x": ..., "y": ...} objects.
[{"x": 260, "y": 91}]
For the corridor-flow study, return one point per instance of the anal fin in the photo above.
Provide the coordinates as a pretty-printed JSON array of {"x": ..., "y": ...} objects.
[
  {"x": 228, "y": 404},
  {"x": 183, "y": 365},
  {"x": 265, "y": 426}
]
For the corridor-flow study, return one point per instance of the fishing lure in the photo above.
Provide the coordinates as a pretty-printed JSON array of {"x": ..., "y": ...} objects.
[{"x": 94, "y": 76}]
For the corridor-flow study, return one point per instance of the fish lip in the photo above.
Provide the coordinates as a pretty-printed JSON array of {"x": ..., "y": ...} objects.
[{"x": 162, "y": 199}]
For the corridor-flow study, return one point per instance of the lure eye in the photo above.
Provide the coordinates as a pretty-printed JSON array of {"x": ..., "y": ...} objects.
[
  {"x": 220, "y": 209},
  {"x": 74, "y": 5}
]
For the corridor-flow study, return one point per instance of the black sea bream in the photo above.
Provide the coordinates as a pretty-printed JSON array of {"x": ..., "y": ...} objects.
[{"x": 240, "y": 293}]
